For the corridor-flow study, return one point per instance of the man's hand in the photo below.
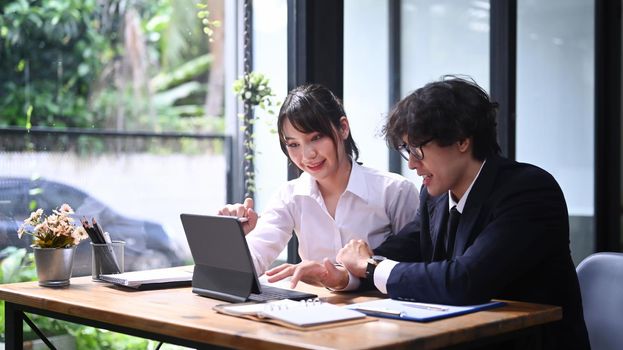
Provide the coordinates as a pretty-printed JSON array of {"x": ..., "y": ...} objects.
[
  {"x": 354, "y": 256},
  {"x": 242, "y": 211},
  {"x": 319, "y": 274}
]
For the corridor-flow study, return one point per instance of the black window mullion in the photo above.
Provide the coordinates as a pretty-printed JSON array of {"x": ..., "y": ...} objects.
[
  {"x": 608, "y": 125},
  {"x": 315, "y": 55},
  {"x": 503, "y": 58},
  {"x": 395, "y": 71}
]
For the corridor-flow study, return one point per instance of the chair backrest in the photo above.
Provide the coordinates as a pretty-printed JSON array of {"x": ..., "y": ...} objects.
[{"x": 601, "y": 284}]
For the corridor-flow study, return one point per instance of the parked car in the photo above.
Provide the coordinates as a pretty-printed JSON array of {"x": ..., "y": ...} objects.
[{"x": 147, "y": 243}]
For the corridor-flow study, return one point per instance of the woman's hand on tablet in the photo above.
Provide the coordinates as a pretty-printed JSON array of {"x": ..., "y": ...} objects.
[{"x": 248, "y": 217}]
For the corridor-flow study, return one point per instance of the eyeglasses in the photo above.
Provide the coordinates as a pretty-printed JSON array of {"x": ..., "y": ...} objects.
[{"x": 406, "y": 150}]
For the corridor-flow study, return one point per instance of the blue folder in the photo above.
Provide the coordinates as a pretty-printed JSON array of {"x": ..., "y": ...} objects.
[{"x": 420, "y": 312}]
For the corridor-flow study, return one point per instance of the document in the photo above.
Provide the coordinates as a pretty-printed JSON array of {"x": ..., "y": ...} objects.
[
  {"x": 414, "y": 311},
  {"x": 301, "y": 315}
]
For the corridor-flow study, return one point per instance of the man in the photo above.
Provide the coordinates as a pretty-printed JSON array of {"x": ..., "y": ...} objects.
[{"x": 509, "y": 240}]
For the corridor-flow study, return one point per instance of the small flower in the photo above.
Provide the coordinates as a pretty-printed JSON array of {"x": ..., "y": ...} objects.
[
  {"x": 41, "y": 228},
  {"x": 65, "y": 208},
  {"x": 35, "y": 216},
  {"x": 79, "y": 234},
  {"x": 52, "y": 220}
]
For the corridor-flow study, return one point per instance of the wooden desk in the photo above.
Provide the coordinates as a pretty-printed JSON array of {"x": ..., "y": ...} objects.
[{"x": 180, "y": 317}]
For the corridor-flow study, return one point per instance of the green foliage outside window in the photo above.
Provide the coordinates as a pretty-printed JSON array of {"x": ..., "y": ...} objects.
[
  {"x": 72, "y": 63},
  {"x": 51, "y": 53}
]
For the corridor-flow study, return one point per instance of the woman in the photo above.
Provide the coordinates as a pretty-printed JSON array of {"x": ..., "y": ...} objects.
[{"x": 334, "y": 200}]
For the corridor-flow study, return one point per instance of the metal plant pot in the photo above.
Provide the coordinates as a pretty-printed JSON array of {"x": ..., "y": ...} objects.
[{"x": 54, "y": 265}]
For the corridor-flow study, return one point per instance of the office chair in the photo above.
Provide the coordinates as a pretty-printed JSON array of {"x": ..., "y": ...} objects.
[{"x": 601, "y": 284}]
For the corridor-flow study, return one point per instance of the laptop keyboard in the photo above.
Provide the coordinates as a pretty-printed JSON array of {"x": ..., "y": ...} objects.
[{"x": 273, "y": 293}]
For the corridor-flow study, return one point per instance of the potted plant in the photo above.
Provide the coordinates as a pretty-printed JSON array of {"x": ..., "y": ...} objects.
[{"x": 54, "y": 243}]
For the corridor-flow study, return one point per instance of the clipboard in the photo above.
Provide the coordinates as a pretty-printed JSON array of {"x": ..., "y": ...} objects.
[{"x": 418, "y": 312}]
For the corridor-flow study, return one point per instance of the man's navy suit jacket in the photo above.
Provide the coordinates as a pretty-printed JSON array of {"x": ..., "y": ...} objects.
[{"x": 512, "y": 243}]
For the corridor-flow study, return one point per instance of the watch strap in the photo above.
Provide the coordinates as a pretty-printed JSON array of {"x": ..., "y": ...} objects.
[
  {"x": 370, "y": 270},
  {"x": 373, "y": 262}
]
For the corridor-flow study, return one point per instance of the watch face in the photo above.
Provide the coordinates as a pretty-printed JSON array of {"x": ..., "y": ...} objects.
[{"x": 378, "y": 258}]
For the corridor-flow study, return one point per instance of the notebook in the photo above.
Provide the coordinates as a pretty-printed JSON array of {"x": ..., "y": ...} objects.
[
  {"x": 223, "y": 266},
  {"x": 415, "y": 311},
  {"x": 152, "y": 279},
  {"x": 302, "y": 315}
]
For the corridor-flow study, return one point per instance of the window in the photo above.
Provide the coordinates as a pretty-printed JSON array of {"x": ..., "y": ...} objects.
[
  {"x": 100, "y": 107},
  {"x": 443, "y": 37},
  {"x": 555, "y": 104}
]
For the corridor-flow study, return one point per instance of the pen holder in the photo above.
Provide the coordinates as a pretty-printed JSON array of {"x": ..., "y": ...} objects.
[{"x": 106, "y": 258}]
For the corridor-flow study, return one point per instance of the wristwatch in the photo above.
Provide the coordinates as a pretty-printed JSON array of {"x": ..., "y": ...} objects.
[{"x": 373, "y": 262}]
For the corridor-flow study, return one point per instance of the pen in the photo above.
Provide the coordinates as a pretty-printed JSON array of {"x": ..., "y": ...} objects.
[
  {"x": 98, "y": 229},
  {"x": 380, "y": 311},
  {"x": 107, "y": 239},
  {"x": 91, "y": 231},
  {"x": 108, "y": 259},
  {"x": 426, "y": 306},
  {"x": 108, "y": 242},
  {"x": 245, "y": 219}
]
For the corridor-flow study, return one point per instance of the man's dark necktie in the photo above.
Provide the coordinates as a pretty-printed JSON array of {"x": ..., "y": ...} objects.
[{"x": 453, "y": 223}]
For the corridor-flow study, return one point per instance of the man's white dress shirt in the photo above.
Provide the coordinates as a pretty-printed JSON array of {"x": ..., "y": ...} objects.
[{"x": 374, "y": 205}]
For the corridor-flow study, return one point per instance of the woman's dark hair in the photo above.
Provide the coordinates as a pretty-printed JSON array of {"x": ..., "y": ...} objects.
[
  {"x": 314, "y": 108},
  {"x": 449, "y": 110}
]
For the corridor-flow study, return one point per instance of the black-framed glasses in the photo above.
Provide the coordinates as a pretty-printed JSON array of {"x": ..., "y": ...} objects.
[{"x": 406, "y": 150}]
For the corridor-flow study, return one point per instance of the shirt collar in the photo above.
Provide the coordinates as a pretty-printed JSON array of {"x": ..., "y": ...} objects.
[
  {"x": 305, "y": 185},
  {"x": 461, "y": 203},
  {"x": 357, "y": 182}
]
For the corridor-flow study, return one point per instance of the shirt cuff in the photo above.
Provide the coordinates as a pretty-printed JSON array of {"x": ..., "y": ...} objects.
[
  {"x": 381, "y": 274},
  {"x": 353, "y": 283}
]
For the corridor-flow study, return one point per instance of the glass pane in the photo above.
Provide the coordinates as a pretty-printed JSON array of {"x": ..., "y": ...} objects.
[
  {"x": 135, "y": 70},
  {"x": 366, "y": 77},
  {"x": 270, "y": 57},
  {"x": 443, "y": 37},
  {"x": 555, "y": 105}
]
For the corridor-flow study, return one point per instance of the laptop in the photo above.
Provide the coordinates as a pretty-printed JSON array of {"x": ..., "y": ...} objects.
[
  {"x": 223, "y": 266},
  {"x": 152, "y": 279}
]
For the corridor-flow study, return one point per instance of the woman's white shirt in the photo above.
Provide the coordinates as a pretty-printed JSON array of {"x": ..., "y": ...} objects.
[{"x": 374, "y": 205}]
